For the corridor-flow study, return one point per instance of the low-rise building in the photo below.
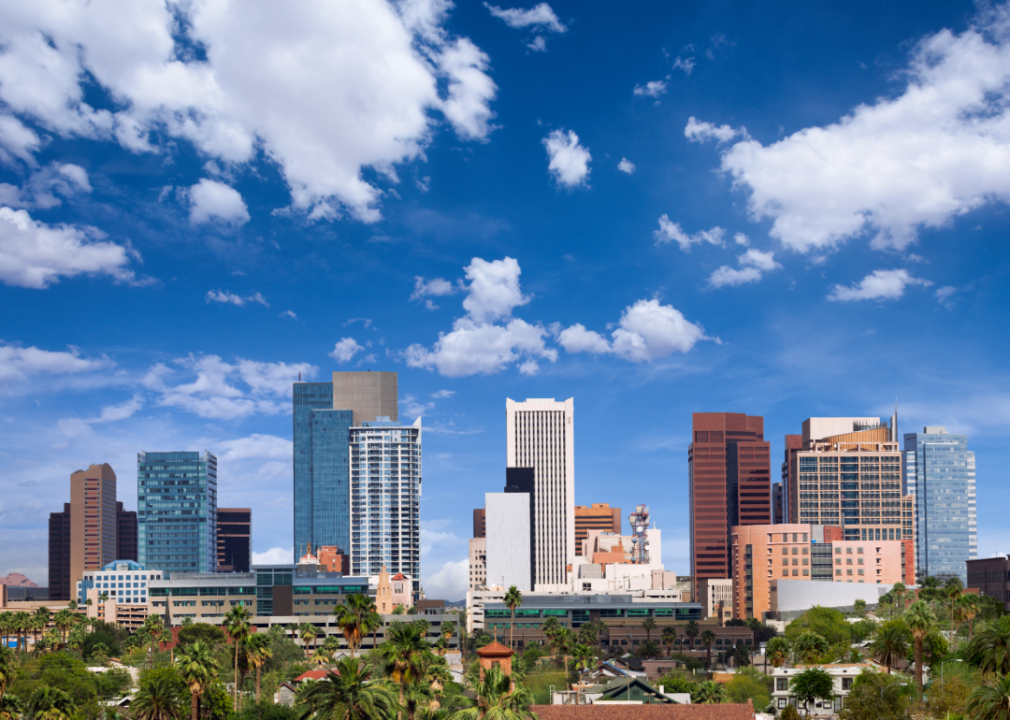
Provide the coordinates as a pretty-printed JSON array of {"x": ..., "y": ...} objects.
[
  {"x": 843, "y": 675},
  {"x": 716, "y": 594},
  {"x": 791, "y": 598},
  {"x": 991, "y": 576},
  {"x": 478, "y": 562}
]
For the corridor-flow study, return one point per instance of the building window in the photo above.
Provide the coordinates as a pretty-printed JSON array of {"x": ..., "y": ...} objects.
[
  {"x": 782, "y": 702},
  {"x": 848, "y": 572},
  {"x": 847, "y": 683},
  {"x": 781, "y": 684}
]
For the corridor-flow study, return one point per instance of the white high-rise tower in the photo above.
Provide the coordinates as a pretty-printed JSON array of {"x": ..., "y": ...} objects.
[{"x": 541, "y": 436}]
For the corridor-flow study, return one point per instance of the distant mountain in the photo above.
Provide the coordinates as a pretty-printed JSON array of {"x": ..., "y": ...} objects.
[{"x": 16, "y": 580}]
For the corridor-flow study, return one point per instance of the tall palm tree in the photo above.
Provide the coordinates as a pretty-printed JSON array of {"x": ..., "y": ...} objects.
[
  {"x": 989, "y": 650},
  {"x": 777, "y": 652},
  {"x": 669, "y": 638},
  {"x": 562, "y": 643},
  {"x": 990, "y": 701},
  {"x": 707, "y": 638},
  {"x": 198, "y": 669},
  {"x": 920, "y": 621},
  {"x": 692, "y": 630},
  {"x": 953, "y": 590},
  {"x": 308, "y": 633},
  {"x": 352, "y": 617},
  {"x": 648, "y": 625},
  {"x": 755, "y": 625},
  {"x": 373, "y": 621},
  {"x": 236, "y": 622},
  {"x": 898, "y": 591},
  {"x": 22, "y": 622},
  {"x": 513, "y": 599},
  {"x": 158, "y": 699},
  {"x": 64, "y": 620},
  {"x": 496, "y": 700},
  {"x": 6, "y": 627},
  {"x": 258, "y": 652},
  {"x": 50, "y": 703},
  {"x": 970, "y": 606},
  {"x": 405, "y": 653},
  {"x": 349, "y": 695},
  {"x": 890, "y": 644},
  {"x": 8, "y": 668}
]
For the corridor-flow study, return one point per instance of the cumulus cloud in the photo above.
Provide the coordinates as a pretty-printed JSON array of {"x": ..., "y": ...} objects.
[
  {"x": 274, "y": 556},
  {"x": 451, "y": 581},
  {"x": 220, "y": 296},
  {"x": 81, "y": 427},
  {"x": 753, "y": 264},
  {"x": 943, "y": 296},
  {"x": 487, "y": 339},
  {"x": 701, "y": 131},
  {"x": 569, "y": 161},
  {"x": 290, "y": 314},
  {"x": 626, "y": 166},
  {"x": 670, "y": 231},
  {"x": 647, "y": 331},
  {"x": 36, "y": 255},
  {"x": 268, "y": 447},
  {"x": 540, "y": 17},
  {"x": 538, "y": 44},
  {"x": 427, "y": 289},
  {"x": 19, "y": 364},
  {"x": 40, "y": 190},
  {"x": 685, "y": 64},
  {"x": 651, "y": 89},
  {"x": 937, "y": 150},
  {"x": 322, "y": 89},
  {"x": 443, "y": 394},
  {"x": 213, "y": 200},
  {"x": 345, "y": 350},
  {"x": 878, "y": 285}
]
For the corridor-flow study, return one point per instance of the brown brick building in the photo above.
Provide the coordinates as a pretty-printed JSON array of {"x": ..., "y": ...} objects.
[{"x": 598, "y": 516}]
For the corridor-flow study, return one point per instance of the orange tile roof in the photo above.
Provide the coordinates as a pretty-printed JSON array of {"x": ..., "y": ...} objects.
[{"x": 607, "y": 711}]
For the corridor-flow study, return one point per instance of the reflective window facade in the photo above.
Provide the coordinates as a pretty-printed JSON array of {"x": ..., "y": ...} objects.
[
  {"x": 177, "y": 511},
  {"x": 940, "y": 472}
]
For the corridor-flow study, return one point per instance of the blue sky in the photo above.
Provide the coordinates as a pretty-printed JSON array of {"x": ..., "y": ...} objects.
[{"x": 657, "y": 209}]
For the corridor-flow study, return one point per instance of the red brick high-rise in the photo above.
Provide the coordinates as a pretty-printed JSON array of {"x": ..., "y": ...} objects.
[{"x": 729, "y": 470}]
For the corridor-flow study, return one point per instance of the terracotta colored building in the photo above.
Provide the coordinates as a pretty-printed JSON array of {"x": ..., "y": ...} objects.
[
  {"x": 729, "y": 472},
  {"x": 598, "y": 516},
  {"x": 479, "y": 523}
]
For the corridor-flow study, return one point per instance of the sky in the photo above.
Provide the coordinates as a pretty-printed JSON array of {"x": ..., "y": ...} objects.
[{"x": 656, "y": 209}]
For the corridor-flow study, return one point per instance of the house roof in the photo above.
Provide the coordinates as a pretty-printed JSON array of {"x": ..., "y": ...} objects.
[
  {"x": 311, "y": 675},
  {"x": 494, "y": 649},
  {"x": 617, "y": 688},
  {"x": 644, "y": 712}
]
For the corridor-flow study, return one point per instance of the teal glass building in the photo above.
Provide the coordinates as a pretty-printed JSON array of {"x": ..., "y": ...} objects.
[{"x": 177, "y": 511}]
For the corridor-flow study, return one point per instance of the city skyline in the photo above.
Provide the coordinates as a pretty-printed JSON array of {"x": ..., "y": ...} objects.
[{"x": 615, "y": 206}]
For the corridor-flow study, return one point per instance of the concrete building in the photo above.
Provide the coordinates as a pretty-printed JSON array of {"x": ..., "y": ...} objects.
[
  {"x": 391, "y": 592},
  {"x": 717, "y": 598},
  {"x": 778, "y": 504},
  {"x": 763, "y": 553},
  {"x": 93, "y": 521},
  {"x": 540, "y": 435},
  {"x": 478, "y": 522},
  {"x": 843, "y": 676},
  {"x": 790, "y": 504},
  {"x": 597, "y": 516},
  {"x": 385, "y": 493},
  {"x": 478, "y": 563},
  {"x": 940, "y": 473},
  {"x": 118, "y": 593},
  {"x": 729, "y": 473},
  {"x": 126, "y": 533},
  {"x": 234, "y": 539},
  {"x": 991, "y": 576},
  {"x": 508, "y": 540},
  {"x": 59, "y": 555},
  {"x": 177, "y": 511},
  {"x": 322, "y": 417},
  {"x": 791, "y": 598}
]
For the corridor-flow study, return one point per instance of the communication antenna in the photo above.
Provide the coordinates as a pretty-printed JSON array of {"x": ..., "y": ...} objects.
[{"x": 639, "y": 539}]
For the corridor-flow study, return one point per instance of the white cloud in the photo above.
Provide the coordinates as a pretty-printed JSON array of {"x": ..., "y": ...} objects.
[
  {"x": 752, "y": 264},
  {"x": 702, "y": 131},
  {"x": 16, "y": 141},
  {"x": 540, "y": 16},
  {"x": 944, "y": 294},
  {"x": 935, "y": 151},
  {"x": 741, "y": 239},
  {"x": 494, "y": 290},
  {"x": 879, "y": 285},
  {"x": 647, "y": 331},
  {"x": 436, "y": 287},
  {"x": 569, "y": 161},
  {"x": 323, "y": 89},
  {"x": 220, "y": 296},
  {"x": 41, "y": 188},
  {"x": 210, "y": 199},
  {"x": 685, "y": 64},
  {"x": 412, "y": 408},
  {"x": 345, "y": 350},
  {"x": 450, "y": 582},
  {"x": 18, "y": 364},
  {"x": 36, "y": 255},
  {"x": 538, "y": 44},
  {"x": 626, "y": 166},
  {"x": 122, "y": 411},
  {"x": 274, "y": 556},
  {"x": 670, "y": 231},
  {"x": 443, "y": 394},
  {"x": 290, "y": 314},
  {"x": 651, "y": 89},
  {"x": 256, "y": 446}
]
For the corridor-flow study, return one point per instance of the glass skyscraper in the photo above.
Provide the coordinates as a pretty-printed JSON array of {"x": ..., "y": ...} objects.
[
  {"x": 177, "y": 511},
  {"x": 940, "y": 472},
  {"x": 386, "y": 499}
]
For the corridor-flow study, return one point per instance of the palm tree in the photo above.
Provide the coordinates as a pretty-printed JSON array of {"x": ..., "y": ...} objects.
[
  {"x": 589, "y": 634},
  {"x": 890, "y": 644},
  {"x": 669, "y": 638},
  {"x": 648, "y": 625},
  {"x": 6, "y": 627},
  {"x": 308, "y": 634},
  {"x": 405, "y": 653},
  {"x": 707, "y": 638},
  {"x": 953, "y": 590},
  {"x": 990, "y": 701},
  {"x": 349, "y": 695},
  {"x": 649, "y": 650},
  {"x": 236, "y": 622},
  {"x": 496, "y": 700},
  {"x": 352, "y": 617},
  {"x": 810, "y": 645},
  {"x": 11, "y": 708},
  {"x": 50, "y": 703},
  {"x": 373, "y": 621},
  {"x": 755, "y": 625},
  {"x": 562, "y": 643},
  {"x": 692, "y": 631},
  {"x": 970, "y": 606},
  {"x": 158, "y": 699},
  {"x": 897, "y": 592},
  {"x": 989, "y": 651},
  {"x": 8, "y": 668},
  {"x": 198, "y": 669},
  {"x": 258, "y": 652},
  {"x": 513, "y": 599},
  {"x": 550, "y": 628},
  {"x": 920, "y": 621},
  {"x": 708, "y": 692},
  {"x": 778, "y": 651},
  {"x": 21, "y": 626},
  {"x": 64, "y": 620}
]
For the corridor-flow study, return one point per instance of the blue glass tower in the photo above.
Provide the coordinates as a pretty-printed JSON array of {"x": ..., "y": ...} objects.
[
  {"x": 940, "y": 473},
  {"x": 177, "y": 511}
]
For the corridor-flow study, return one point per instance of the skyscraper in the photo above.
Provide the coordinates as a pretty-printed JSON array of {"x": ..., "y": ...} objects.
[
  {"x": 234, "y": 539},
  {"x": 126, "y": 526},
  {"x": 322, "y": 417},
  {"x": 93, "y": 523},
  {"x": 729, "y": 472},
  {"x": 598, "y": 516},
  {"x": 177, "y": 511},
  {"x": 59, "y": 554},
  {"x": 940, "y": 473},
  {"x": 540, "y": 435},
  {"x": 385, "y": 499}
]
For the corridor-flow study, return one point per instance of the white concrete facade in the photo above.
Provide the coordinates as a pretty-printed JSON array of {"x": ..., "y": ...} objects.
[
  {"x": 507, "y": 538},
  {"x": 793, "y": 597},
  {"x": 478, "y": 563},
  {"x": 815, "y": 429},
  {"x": 540, "y": 435}
]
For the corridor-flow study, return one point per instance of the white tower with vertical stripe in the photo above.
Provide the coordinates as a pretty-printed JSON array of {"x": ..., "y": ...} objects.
[{"x": 541, "y": 435}]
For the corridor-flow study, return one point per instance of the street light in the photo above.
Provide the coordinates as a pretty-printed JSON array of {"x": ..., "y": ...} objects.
[{"x": 944, "y": 663}]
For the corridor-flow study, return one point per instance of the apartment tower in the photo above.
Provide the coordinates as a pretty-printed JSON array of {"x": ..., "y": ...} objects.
[
  {"x": 126, "y": 527},
  {"x": 93, "y": 522},
  {"x": 598, "y": 516},
  {"x": 234, "y": 539},
  {"x": 59, "y": 555},
  {"x": 729, "y": 473},
  {"x": 540, "y": 436}
]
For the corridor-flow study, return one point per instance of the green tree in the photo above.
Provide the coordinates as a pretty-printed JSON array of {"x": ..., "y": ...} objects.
[
  {"x": 648, "y": 625},
  {"x": 708, "y": 693},
  {"x": 8, "y": 668},
  {"x": 352, "y": 617},
  {"x": 405, "y": 653},
  {"x": 513, "y": 599},
  {"x": 198, "y": 669},
  {"x": 898, "y": 592},
  {"x": 236, "y": 623},
  {"x": 891, "y": 643},
  {"x": 496, "y": 700},
  {"x": 258, "y": 650},
  {"x": 11, "y": 708},
  {"x": 677, "y": 682},
  {"x": 562, "y": 644},
  {"x": 920, "y": 621},
  {"x": 875, "y": 696},
  {"x": 826, "y": 622},
  {"x": 161, "y": 697},
  {"x": 949, "y": 694},
  {"x": 990, "y": 701},
  {"x": 810, "y": 646},
  {"x": 989, "y": 650},
  {"x": 348, "y": 694},
  {"x": 649, "y": 650},
  {"x": 210, "y": 635},
  {"x": 692, "y": 630},
  {"x": 669, "y": 637},
  {"x": 707, "y": 639},
  {"x": 777, "y": 651},
  {"x": 550, "y": 628},
  {"x": 810, "y": 685},
  {"x": 859, "y": 607},
  {"x": 789, "y": 712},
  {"x": 749, "y": 683},
  {"x": 970, "y": 607},
  {"x": 51, "y": 703}
]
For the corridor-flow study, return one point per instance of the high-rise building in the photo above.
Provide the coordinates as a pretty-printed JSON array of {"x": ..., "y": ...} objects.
[
  {"x": 940, "y": 473},
  {"x": 385, "y": 497},
  {"x": 778, "y": 504},
  {"x": 729, "y": 473},
  {"x": 234, "y": 539},
  {"x": 322, "y": 418},
  {"x": 540, "y": 435},
  {"x": 177, "y": 511},
  {"x": 479, "y": 527},
  {"x": 93, "y": 523},
  {"x": 126, "y": 533},
  {"x": 478, "y": 563},
  {"x": 59, "y": 555},
  {"x": 508, "y": 540},
  {"x": 790, "y": 503},
  {"x": 598, "y": 516}
]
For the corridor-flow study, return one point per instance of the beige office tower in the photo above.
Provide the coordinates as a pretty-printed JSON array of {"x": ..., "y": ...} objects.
[
  {"x": 93, "y": 521},
  {"x": 368, "y": 394},
  {"x": 541, "y": 436}
]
